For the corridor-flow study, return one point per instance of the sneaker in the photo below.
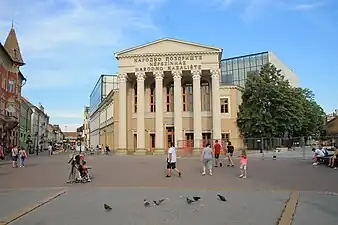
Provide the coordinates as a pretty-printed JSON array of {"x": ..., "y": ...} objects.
[
  {"x": 210, "y": 174},
  {"x": 240, "y": 176},
  {"x": 179, "y": 174},
  {"x": 244, "y": 177},
  {"x": 203, "y": 173},
  {"x": 216, "y": 166},
  {"x": 167, "y": 176},
  {"x": 228, "y": 165},
  {"x": 232, "y": 165}
]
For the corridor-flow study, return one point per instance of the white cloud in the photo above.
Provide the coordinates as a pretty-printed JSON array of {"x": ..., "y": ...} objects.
[
  {"x": 308, "y": 6},
  {"x": 73, "y": 31}
]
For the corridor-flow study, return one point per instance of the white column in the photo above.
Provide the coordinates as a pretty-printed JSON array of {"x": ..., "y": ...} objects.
[
  {"x": 196, "y": 76},
  {"x": 159, "y": 142},
  {"x": 141, "y": 148},
  {"x": 178, "y": 108},
  {"x": 216, "y": 105},
  {"x": 122, "y": 145}
]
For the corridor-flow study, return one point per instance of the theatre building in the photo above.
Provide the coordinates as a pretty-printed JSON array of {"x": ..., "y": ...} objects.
[{"x": 168, "y": 91}]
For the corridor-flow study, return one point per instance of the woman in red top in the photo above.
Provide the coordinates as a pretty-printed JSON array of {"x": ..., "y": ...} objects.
[{"x": 217, "y": 152}]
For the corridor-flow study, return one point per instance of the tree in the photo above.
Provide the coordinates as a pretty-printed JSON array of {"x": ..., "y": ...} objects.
[{"x": 271, "y": 107}]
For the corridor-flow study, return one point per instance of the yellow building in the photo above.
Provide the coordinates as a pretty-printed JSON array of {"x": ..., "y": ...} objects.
[{"x": 130, "y": 120}]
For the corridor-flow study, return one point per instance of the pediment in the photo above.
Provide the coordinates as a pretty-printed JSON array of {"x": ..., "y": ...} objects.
[{"x": 167, "y": 45}]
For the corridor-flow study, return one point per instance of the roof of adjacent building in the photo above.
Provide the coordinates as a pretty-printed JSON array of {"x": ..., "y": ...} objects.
[
  {"x": 12, "y": 47},
  {"x": 70, "y": 134},
  {"x": 242, "y": 56}
]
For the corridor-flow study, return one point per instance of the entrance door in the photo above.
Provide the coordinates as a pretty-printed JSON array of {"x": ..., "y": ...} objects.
[
  {"x": 206, "y": 138},
  {"x": 170, "y": 136}
]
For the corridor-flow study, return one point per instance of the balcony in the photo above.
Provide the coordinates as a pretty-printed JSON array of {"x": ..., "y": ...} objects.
[{"x": 11, "y": 121}]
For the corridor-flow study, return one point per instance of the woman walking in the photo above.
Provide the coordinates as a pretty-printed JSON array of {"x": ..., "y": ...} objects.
[
  {"x": 22, "y": 156},
  {"x": 230, "y": 150},
  {"x": 206, "y": 158},
  {"x": 15, "y": 155}
]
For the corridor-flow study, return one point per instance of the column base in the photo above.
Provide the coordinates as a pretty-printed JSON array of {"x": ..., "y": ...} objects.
[
  {"x": 141, "y": 151},
  {"x": 159, "y": 151},
  {"x": 121, "y": 151},
  {"x": 196, "y": 151}
]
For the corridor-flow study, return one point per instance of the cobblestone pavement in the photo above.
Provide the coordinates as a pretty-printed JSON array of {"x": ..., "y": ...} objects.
[{"x": 123, "y": 182}]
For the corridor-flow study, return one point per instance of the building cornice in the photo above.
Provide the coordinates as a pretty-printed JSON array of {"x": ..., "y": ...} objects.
[{"x": 168, "y": 54}]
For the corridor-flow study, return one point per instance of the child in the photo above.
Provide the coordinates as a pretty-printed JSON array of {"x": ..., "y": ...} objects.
[
  {"x": 333, "y": 159},
  {"x": 244, "y": 163}
]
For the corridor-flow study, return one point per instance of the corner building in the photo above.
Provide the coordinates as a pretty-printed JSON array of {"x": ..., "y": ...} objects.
[{"x": 169, "y": 91}]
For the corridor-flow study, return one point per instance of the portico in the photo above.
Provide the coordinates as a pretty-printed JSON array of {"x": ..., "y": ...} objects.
[{"x": 168, "y": 92}]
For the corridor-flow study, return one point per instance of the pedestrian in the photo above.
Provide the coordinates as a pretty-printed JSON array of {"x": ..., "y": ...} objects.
[
  {"x": 230, "y": 150},
  {"x": 217, "y": 152},
  {"x": 171, "y": 160},
  {"x": 2, "y": 155},
  {"x": 15, "y": 156},
  {"x": 22, "y": 156},
  {"x": 50, "y": 149},
  {"x": 72, "y": 169},
  {"x": 206, "y": 158},
  {"x": 244, "y": 164}
]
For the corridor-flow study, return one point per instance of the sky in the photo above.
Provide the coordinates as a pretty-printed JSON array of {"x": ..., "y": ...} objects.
[{"x": 68, "y": 44}]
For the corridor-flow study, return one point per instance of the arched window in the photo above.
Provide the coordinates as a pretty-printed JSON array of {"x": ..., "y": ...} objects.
[
  {"x": 205, "y": 96},
  {"x": 187, "y": 97},
  {"x": 152, "y": 98},
  {"x": 170, "y": 98},
  {"x": 135, "y": 98}
]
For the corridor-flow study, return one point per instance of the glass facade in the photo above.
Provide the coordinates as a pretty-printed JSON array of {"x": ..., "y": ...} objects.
[
  {"x": 104, "y": 85},
  {"x": 234, "y": 71}
]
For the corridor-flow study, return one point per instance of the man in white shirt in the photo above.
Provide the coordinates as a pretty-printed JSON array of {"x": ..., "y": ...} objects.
[
  {"x": 171, "y": 161},
  {"x": 319, "y": 152}
]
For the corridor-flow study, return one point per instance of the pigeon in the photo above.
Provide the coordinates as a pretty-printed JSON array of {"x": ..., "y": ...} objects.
[
  {"x": 107, "y": 207},
  {"x": 159, "y": 201},
  {"x": 222, "y": 198},
  {"x": 189, "y": 201},
  {"x": 196, "y": 198},
  {"x": 146, "y": 203}
]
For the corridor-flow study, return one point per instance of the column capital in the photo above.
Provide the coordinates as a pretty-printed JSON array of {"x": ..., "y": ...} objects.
[
  {"x": 122, "y": 77},
  {"x": 140, "y": 76},
  {"x": 196, "y": 74},
  {"x": 158, "y": 75},
  {"x": 177, "y": 75},
  {"x": 215, "y": 73}
]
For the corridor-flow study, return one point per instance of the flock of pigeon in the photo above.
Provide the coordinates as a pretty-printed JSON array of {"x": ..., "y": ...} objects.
[{"x": 189, "y": 200}]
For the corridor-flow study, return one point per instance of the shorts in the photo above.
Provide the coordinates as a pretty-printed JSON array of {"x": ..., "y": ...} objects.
[
  {"x": 243, "y": 166},
  {"x": 230, "y": 153},
  {"x": 171, "y": 165},
  {"x": 216, "y": 155},
  {"x": 15, "y": 158}
]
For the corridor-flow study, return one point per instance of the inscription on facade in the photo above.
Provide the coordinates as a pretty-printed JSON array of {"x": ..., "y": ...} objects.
[{"x": 168, "y": 63}]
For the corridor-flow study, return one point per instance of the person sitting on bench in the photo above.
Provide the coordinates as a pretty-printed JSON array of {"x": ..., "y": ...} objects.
[
  {"x": 318, "y": 154},
  {"x": 333, "y": 159}
]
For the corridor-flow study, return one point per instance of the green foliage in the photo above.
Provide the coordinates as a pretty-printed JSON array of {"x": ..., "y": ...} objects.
[{"x": 271, "y": 107}]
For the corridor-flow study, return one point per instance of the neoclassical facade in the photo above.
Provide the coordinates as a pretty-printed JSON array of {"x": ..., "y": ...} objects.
[{"x": 169, "y": 91}]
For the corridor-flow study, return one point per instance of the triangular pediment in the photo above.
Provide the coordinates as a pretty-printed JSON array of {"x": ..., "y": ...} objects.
[{"x": 167, "y": 45}]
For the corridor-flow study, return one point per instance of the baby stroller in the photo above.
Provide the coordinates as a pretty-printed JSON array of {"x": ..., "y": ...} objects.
[{"x": 83, "y": 173}]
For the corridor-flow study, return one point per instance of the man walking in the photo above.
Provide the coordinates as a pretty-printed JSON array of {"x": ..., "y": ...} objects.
[{"x": 171, "y": 161}]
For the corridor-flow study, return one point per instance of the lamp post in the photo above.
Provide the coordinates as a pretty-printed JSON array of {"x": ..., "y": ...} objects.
[{"x": 80, "y": 139}]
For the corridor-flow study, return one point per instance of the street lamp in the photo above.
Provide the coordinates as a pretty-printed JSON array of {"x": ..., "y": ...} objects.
[{"x": 80, "y": 139}]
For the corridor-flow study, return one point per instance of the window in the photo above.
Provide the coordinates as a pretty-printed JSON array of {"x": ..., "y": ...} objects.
[
  {"x": 135, "y": 98},
  {"x": 152, "y": 98},
  {"x": 170, "y": 98},
  {"x": 224, "y": 105},
  {"x": 187, "y": 98},
  {"x": 4, "y": 81},
  {"x": 205, "y": 96},
  {"x": 226, "y": 137},
  {"x": 11, "y": 86},
  {"x": 2, "y": 107}
]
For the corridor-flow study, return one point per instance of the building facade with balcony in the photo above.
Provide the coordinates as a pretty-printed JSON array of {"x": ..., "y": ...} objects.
[
  {"x": 11, "y": 81},
  {"x": 25, "y": 123}
]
